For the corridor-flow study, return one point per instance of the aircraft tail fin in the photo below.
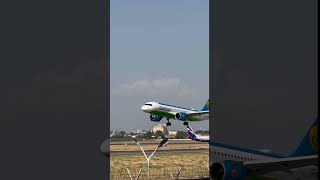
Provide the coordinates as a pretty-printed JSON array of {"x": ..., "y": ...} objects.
[
  {"x": 206, "y": 106},
  {"x": 309, "y": 144},
  {"x": 191, "y": 133}
]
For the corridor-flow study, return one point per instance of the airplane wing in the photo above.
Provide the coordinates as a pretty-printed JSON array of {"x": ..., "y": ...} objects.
[{"x": 282, "y": 164}]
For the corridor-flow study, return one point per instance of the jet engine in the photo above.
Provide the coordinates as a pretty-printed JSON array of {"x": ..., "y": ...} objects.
[
  {"x": 181, "y": 116},
  {"x": 225, "y": 170},
  {"x": 155, "y": 118}
]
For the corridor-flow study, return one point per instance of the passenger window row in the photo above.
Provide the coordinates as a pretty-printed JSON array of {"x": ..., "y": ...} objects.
[{"x": 237, "y": 157}]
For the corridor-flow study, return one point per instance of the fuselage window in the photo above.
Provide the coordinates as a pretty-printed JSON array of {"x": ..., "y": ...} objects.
[{"x": 148, "y": 104}]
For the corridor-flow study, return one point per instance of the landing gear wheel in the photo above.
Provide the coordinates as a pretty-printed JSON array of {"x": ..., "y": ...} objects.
[
  {"x": 185, "y": 123},
  {"x": 168, "y": 123}
]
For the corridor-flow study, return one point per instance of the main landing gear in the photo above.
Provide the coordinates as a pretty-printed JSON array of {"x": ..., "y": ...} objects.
[{"x": 168, "y": 123}]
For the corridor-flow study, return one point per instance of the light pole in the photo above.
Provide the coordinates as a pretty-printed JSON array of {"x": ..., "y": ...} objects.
[{"x": 151, "y": 155}]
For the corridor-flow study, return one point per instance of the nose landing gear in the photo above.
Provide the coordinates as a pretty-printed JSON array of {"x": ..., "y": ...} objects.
[
  {"x": 168, "y": 123},
  {"x": 185, "y": 123}
]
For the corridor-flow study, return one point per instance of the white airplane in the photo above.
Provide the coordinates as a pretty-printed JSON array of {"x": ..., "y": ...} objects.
[
  {"x": 231, "y": 162},
  {"x": 196, "y": 137},
  {"x": 158, "y": 111}
]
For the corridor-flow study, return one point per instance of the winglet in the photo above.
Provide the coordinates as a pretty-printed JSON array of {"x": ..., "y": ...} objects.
[{"x": 206, "y": 106}]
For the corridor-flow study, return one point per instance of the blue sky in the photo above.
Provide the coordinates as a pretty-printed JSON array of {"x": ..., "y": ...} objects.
[{"x": 159, "y": 52}]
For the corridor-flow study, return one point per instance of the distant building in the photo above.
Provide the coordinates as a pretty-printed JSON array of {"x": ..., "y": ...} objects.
[
  {"x": 118, "y": 134},
  {"x": 139, "y": 131},
  {"x": 160, "y": 127},
  {"x": 172, "y": 133}
]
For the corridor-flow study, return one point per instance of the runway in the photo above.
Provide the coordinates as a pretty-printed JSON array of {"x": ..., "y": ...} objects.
[
  {"x": 170, "y": 151},
  {"x": 184, "y": 141}
]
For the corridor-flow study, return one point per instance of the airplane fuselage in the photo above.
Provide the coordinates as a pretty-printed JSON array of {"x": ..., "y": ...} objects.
[{"x": 221, "y": 152}]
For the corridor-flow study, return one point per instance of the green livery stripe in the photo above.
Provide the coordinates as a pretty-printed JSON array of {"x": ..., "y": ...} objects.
[
  {"x": 163, "y": 114},
  {"x": 171, "y": 116}
]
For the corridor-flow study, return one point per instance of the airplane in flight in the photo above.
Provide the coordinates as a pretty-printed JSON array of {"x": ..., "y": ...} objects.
[
  {"x": 196, "y": 137},
  {"x": 158, "y": 111},
  {"x": 231, "y": 162}
]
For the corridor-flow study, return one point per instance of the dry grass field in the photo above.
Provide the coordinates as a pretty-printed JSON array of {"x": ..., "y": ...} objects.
[
  {"x": 192, "y": 164},
  {"x": 160, "y": 161}
]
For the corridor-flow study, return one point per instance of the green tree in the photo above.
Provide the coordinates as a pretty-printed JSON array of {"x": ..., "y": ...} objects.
[
  {"x": 120, "y": 134},
  {"x": 159, "y": 133},
  {"x": 181, "y": 135},
  {"x": 148, "y": 135}
]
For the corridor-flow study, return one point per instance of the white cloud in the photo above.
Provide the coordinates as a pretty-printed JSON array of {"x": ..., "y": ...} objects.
[{"x": 172, "y": 86}]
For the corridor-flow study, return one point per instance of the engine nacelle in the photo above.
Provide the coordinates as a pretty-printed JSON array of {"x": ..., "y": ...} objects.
[
  {"x": 228, "y": 170},
  {"x": 181, "y": 116},
  {"x": 155, "y": 118}
]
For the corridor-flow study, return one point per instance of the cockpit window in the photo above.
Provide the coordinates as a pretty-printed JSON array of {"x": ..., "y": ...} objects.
[{"x": 148, "y": 104}]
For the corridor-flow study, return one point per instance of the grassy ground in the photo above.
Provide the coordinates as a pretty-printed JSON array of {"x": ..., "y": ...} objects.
[
  {"x": 193, "y": 164},
  {"x": 160, "y": 161}
]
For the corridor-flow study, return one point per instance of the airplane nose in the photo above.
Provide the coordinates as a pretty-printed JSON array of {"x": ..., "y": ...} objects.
[{"x": 145, "y": 108}]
